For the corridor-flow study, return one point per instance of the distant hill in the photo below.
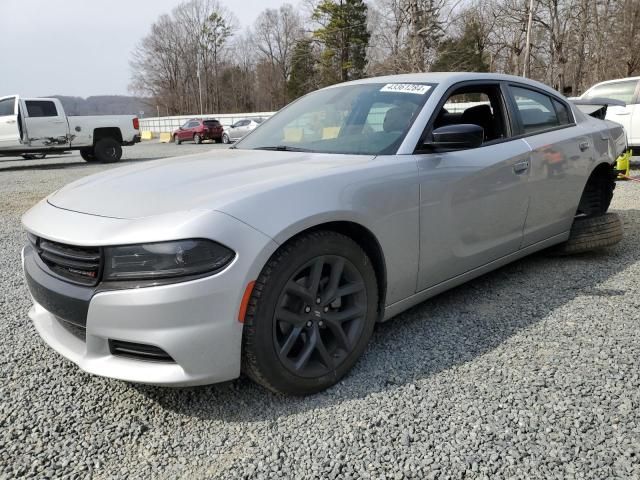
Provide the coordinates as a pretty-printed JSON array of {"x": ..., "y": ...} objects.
[{"x": 106, "y": 105}]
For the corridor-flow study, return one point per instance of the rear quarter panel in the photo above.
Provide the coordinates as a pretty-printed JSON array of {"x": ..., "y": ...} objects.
[{"x": 82, "y": 127}]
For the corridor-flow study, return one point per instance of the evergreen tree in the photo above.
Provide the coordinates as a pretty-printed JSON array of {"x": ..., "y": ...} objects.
[
  {"x": 463, "y": 54},
  {"x": 344, "y": 37},
  {"x": 302, "y": 77}
]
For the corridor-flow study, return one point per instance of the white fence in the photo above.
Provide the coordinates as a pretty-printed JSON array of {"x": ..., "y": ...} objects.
[{"x": 169, "y": 124}]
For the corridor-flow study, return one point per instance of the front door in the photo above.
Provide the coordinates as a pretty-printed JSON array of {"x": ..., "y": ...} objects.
[
  {"x": 9, "y": 127},
  {"x": 473, "y": 203}
]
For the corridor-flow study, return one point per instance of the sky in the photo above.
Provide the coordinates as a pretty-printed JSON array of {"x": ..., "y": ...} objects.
[{"x": 82, "y": 47}]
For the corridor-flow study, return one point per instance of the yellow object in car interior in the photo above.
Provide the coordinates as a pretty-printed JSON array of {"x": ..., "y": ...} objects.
[{"x": 293, "y": 134}]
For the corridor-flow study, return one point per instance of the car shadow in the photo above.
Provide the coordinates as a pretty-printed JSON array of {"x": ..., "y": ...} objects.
[{"x": 446, "y": 331}]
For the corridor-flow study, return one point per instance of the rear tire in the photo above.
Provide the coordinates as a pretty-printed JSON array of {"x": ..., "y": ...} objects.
[
  {"x": 108, "y": 150},
  {"x": 88, "y": 154},
  {"x": 593, "y": 233},
  {"x": 310, "y": 315}
]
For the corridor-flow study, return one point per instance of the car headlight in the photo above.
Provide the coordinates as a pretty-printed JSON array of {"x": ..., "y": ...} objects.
[{"x": 150, "y": 261}]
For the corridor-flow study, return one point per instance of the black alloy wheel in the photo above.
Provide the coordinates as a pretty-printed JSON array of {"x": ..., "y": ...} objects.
[{"x": 310, "y": 315}]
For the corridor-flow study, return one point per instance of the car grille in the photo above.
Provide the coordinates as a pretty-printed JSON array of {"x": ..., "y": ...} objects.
[{"x": 81, "y": 265}]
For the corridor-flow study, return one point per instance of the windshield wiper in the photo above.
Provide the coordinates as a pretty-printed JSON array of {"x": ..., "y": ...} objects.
[{"x": 283, "y": 148}]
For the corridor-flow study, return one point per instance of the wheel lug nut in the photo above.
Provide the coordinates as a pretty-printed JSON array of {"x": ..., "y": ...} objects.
[
  {"x": 318, "y": 300},
  {"x": 326, "y": 309},
  {"x": 307, "y": 309},
  {"x": 309, "y": 323},
  {"x": 321, "y": 323}
]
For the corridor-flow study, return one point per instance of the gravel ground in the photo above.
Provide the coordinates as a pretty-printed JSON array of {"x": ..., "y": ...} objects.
[{"x": 528, "y": 372}]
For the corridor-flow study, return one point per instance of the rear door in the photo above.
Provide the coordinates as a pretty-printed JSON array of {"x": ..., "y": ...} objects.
[
  {"x": 561, "y": 155},
  {"x": 46, "y": 123},
  {"x": 9, "y": 126}
]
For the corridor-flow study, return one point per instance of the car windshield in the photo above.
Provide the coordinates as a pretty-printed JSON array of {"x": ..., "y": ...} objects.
[{"x": 364, "y": 119}]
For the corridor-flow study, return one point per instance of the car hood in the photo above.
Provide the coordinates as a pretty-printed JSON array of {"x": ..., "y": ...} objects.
[{"x": 209, "y": 180}]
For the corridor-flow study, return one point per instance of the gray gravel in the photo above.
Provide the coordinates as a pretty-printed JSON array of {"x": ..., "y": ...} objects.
[{"x": 528, "y": 372}]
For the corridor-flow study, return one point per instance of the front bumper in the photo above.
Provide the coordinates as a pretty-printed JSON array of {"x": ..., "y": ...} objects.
[{"x": 194, "y": 322}]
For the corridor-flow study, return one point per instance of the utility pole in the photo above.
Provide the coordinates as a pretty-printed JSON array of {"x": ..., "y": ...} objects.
[
  {"x": 199, "y": 86},
  {"x": 527, "y": 50}
]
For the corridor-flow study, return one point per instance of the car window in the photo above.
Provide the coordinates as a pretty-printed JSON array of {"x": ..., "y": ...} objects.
[
  {"x": 212, "y": 123},
  {"x": 7, "y": 106},
  {"x": 536, "y": 110},
  {"x": 360, "y": 119},
  {"x": 41, "y": 108},
  {"x": 563, "y": 113},
  {"x": 623, "y": 91},
  {"x": 480, "y": 105},
  {"x": 193, "y": 124},
  {"x": 186, "y": 124},
  {"x": 245, "y": 123}
]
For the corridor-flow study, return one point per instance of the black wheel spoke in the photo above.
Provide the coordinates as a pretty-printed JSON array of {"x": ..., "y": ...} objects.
[
  {"x": 316, "y": 276},
  {"x": 291, "y": 340},
  {"x": 337, "y": 269},
  {"x": 289, "y": 317},
  {"x": 350, "y": 289},
  {"x": 345, "y": 315},
  {"x": 340, "y": 335},
  {"x": 299, "y": 291},
  {"x": 326, "y": 357},
  {"x": 306, "y": 353}
]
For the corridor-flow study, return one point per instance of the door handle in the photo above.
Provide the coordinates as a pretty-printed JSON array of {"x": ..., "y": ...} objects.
[
  {"x": 583, "y": 146},
  {"x": 521, "y": 167}
]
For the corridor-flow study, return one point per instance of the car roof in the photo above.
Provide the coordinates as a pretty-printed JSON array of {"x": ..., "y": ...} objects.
[
  {"x": 448, "y": 78},
  {"x": 616, "y": 80}
]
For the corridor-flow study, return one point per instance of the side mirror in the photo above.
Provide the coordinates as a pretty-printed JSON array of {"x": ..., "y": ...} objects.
[{"x": 456, "y": 137}]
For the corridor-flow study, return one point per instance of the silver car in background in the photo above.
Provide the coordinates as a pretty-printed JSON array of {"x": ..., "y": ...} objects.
[
  {"x": 277, "y": 256},
  {"x": 240, "y": 129}
]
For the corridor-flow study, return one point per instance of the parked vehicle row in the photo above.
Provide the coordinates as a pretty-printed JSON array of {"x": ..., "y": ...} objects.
[
  {"x": 198, "y": 130},
  {"x": 346, "y": 208},
  {"x": 35, "y": 127}
]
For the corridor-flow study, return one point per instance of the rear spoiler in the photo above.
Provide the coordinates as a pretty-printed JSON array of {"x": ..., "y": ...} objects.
[{"x": 597, "y": 107}]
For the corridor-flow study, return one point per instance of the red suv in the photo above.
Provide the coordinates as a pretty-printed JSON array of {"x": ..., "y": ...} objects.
[{"x": 199, "y": 130}]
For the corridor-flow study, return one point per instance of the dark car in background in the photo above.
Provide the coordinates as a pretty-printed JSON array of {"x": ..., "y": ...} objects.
[{"x": 198, "y": 130}]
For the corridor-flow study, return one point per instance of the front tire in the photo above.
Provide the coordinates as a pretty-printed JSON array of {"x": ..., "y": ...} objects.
[
  {"x": 310, "y": 315},
  {"x": 197, "y": 139},
  {"x": 176, "y": 140},
  {"x": 225, "y": 139}
]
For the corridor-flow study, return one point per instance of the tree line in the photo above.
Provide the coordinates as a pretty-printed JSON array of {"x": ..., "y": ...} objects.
[{"x": 198, "y": 59}]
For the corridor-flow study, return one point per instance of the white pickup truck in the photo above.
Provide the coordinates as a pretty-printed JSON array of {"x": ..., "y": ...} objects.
[{"x": 38, "y": 126}]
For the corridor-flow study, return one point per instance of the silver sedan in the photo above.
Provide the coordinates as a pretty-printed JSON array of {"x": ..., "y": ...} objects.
[
  {"x": 240, "y": 129},
  {"x": 278, "y": 256}
]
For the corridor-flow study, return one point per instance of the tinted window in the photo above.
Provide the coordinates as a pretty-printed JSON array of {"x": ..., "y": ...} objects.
[
  {"x": 6, "y": 106},
  {"x": 212, "y": 123},
  {"x": 623, "y": 91},
  {"x": 537, "y": 112},
  {"x": 193, "y": 124},
  {"x": 41, "y": 108},
  {"x": 562, "y": 111}
]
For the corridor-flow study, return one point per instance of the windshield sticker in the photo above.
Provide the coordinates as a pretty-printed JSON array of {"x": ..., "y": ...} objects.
[{"x": 406, "y": 88}]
